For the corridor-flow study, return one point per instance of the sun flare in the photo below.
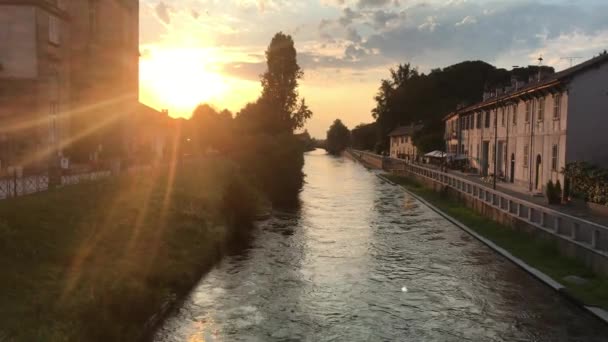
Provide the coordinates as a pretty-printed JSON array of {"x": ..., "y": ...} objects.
[{"x": 180, "y": 79}]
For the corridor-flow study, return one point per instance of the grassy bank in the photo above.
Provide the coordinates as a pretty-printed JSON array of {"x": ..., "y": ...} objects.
[
  {"x": 93, "y": 262},
  {"x": 538, "y": 253}
]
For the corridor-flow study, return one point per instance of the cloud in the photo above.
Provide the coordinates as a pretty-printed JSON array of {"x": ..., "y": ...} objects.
[
  {"x": 438, "y": 34},
  {"x": 348, "y": 16},
  {"x": 380, "y": 18},
  {"x": 324, "y": 23},
  {"x": 352, "y": 35},
  {"x": 162, "y": 12},
  {"x": 373, "y": 3},
  {"x": 244, "y": 70},
  {"x": 467, "y": 20},
  {"x": 430, "y": 24}
]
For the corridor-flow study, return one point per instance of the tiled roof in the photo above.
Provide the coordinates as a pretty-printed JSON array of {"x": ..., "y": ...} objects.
[
  {"x": 553, "y": 79},
  {"x": 405, "y": 130}
]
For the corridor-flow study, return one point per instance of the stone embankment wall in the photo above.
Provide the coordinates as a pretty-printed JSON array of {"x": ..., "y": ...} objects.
[{"x": 579, "y": 240}]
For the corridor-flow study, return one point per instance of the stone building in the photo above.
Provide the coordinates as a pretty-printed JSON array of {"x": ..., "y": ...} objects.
[
  {"x": 34, "y": 82},
  {"x": 69, "y": 79},
  {"x": 402, "y": 144},
  {"x": 104, "y": 78},
  {"x": 526, "y": 133}
]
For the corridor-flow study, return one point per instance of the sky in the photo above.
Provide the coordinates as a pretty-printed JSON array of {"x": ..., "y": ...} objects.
[{"x": 212, "y": 51}]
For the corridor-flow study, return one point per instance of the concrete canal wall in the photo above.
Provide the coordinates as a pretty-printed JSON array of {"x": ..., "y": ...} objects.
[{"x": 574, "y": 237}]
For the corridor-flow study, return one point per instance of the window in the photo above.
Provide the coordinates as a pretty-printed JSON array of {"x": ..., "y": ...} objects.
[
  {"x": 502, "y": 117},
  {"x": 514, "y": 114},
  {"x": 526, "y": 155},
  {"x": 487, "y": 120},
  {"x": 541, "y": 109},
  {"x": 528, "y": 110},
  {"x": 554, "y": 152},
  {"x": 54, "y": 30},
  {"x": 557, "y": 105},
  {"x": 478, "y": 119}
]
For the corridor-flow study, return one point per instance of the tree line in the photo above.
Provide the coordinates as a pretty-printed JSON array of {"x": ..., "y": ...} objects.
[
  {"x": 408, "y": 96},
  {"x": 260, "y": 137}
]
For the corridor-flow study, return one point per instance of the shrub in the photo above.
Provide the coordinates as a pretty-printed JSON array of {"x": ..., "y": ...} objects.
[
  {"x": 587, "y": 181},
  {"x": 553, "y": 192},
  {"x": 275, "y": 163},
  {"x": 558, "y": 192}
]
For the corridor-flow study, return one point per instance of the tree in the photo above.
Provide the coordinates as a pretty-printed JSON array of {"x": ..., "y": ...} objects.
[
  {"x": 364, "y": 136},
  {"x": 209, "y": 128},
  {"x": 408, "y": 96},
  {"x": 338, "y": 137},
  {"x": 280, "y": 97}
]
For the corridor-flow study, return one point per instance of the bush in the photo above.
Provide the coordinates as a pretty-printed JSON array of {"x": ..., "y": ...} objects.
[
  {"x": 587, "y": 181},
  {"x": 275, "y": 162},
  {"x": 553, "y": 192},
  {"x": 558, "y": 192}
]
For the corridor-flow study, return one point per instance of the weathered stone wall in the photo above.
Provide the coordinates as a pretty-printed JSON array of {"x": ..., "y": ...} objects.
[{"x": 595, "y": 261}]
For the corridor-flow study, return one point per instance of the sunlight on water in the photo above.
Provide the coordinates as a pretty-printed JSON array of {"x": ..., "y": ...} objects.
[{"x": 329, "y": 272}]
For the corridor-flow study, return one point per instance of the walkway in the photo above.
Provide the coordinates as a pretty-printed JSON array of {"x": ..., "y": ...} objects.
[{"x": 570, "y": 209}]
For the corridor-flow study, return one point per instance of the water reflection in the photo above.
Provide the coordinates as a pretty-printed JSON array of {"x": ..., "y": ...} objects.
[{"x": 336, "y": 271}]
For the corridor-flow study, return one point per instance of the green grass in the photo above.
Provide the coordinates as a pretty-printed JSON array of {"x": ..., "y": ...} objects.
[
  {"x": 536, "y": 252},
  {"x": 93, "y": 262}
]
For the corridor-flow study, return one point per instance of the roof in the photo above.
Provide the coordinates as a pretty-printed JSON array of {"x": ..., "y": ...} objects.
[
  {"x": 551, "y": 81},
  {"x": 405, "y": 130}
]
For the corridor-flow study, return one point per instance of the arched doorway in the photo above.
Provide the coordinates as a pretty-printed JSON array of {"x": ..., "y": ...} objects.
[
  {"x": 538, "y": 172},
  {"x": 512, "y": 174}
]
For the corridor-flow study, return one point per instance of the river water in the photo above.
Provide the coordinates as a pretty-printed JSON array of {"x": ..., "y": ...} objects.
[{"x": 361, "y": 260}]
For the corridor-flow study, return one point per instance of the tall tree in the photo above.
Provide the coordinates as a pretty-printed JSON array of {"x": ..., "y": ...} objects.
[
  {"x": 280, "y": 97},
  {"x": 338, "y": 137}
]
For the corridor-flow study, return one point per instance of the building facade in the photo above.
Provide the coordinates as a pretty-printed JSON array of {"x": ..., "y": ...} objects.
[
  {"x": 527, "y": 134},
  {"x": 402, "y": 144},
  {"x": 104, "y": 78},
  {"x": 34, "y": 82},
  {"x": 69, "y": 77}
]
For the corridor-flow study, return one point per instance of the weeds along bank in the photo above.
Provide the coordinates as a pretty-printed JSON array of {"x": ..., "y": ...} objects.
[{"x": 93, "y": 262}]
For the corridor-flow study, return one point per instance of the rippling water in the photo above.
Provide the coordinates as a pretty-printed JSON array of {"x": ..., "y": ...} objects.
[{"x": 363, "y": 261}]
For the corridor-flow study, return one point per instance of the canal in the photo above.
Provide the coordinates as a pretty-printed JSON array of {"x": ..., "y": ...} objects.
[{"x": 361, "y": 260}]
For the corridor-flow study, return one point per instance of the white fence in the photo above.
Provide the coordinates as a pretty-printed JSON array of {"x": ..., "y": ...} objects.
[
  {"x": 590, "y": 235},
  {"x": 29, "y": 184}
]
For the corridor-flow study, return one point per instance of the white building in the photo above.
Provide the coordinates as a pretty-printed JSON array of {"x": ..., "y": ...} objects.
[
  {"x": 402, "y": 144},
  {"x": 528, "y": 133}
]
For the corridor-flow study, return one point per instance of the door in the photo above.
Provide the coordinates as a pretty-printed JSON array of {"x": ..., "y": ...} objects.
[
  {"x": 512, "y": 168},
  {"x": 499, "y": 159},
  {"x": 485, "y": 150},
  {"x": 539, "y": 169}
]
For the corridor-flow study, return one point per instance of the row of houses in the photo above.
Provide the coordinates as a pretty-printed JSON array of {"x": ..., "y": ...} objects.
[
  {"x": 68, "y": 69},
  {"x": 525, "y": 134}
]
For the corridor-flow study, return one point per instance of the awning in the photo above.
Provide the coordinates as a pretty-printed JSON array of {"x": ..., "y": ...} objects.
[{"x": 438, "y": 154}]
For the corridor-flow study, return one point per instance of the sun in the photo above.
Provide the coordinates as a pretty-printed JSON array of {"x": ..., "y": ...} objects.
[{"x": 179, "y": 79}]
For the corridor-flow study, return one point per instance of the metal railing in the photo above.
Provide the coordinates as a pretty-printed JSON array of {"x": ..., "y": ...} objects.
[
  {"x": 16, "y": 186},
  {"x": 587, "y": 234}
]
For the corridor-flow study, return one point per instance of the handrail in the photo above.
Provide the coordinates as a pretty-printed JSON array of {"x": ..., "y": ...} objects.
[{"x": 496, "y": 198}]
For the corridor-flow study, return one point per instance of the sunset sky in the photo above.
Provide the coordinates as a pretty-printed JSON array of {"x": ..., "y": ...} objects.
[{"x": 212, "y": 51}]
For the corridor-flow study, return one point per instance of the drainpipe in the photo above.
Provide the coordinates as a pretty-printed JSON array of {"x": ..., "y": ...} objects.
[
  {"x": 495, "y": 147},
  {"x": 507, "y": 161},
  {"x": 530, "y": 149}
]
